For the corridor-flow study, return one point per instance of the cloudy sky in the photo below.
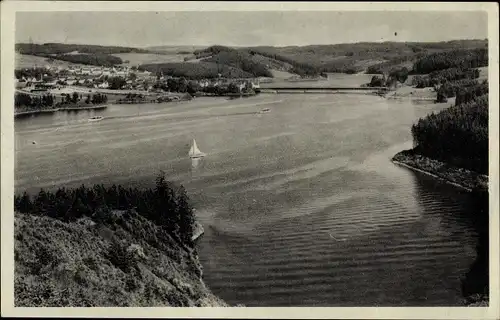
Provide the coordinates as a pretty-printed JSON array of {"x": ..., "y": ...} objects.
[{"x": 246, "y": 28}]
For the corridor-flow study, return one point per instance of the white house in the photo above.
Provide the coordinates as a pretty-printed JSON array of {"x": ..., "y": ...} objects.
[
  {"x": 203, "y": 83},
  {"x": 20, "y": 83},
  {"x": 103, "y": 85}
]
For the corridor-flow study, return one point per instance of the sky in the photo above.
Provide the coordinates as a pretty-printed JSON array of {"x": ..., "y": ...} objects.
[{"x": 245, "y": 28}]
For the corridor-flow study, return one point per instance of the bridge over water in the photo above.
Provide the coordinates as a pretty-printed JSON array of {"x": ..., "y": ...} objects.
[{"x": 303, "y": 89}]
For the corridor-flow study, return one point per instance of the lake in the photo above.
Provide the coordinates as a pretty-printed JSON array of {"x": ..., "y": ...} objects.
[{"x": 301, "y": 206}]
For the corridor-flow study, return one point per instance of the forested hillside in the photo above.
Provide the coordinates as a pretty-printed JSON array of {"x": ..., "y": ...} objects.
[
  {"x": 459, "y": 58},
  {"x": 61, "y": 48},
  {"x": 196, "y": 70},
  {"x": 76, "y": 53},
  {"x": 241, "y": 60},
  {"x": 344, "y": 58},
  {"x": 459, "y": 134},
  {"x": 369, "y": 57}
]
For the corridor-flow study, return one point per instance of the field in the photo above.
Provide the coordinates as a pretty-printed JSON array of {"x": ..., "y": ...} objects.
[{"x": 277, "y": 74}]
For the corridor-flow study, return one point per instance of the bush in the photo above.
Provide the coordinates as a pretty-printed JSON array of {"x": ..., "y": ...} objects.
[
  {"x": 377, "y": 82},
  {"x": 399, "y": 74},
  {"x": 120, "y": 257}
]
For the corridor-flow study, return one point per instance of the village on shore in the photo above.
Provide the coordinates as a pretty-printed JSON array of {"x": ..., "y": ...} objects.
[{"x": 120, "y": 80}]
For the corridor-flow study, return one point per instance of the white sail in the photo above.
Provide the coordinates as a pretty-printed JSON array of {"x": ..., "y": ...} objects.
[{"x": 194, "y": 151}]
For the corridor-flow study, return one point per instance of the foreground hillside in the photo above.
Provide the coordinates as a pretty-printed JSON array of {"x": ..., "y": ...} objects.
[
  {"x": 108, "y": 247},
  {"x": 130, "y": 262}
]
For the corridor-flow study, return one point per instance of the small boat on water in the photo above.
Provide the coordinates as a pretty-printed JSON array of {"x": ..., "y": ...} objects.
[
  {"x": 265, "y": 110},
  {"x": 96, "y": 118},
  {"x": 194, "y": 152}
]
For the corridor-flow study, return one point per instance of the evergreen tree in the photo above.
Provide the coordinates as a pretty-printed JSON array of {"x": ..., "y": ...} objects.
[
  {"x": 25, "y": 204},
  {"x": 186, "y": 215}
]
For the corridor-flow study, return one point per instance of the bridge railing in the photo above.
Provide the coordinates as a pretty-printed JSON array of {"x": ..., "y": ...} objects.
[{"x": 326, "y": 88}]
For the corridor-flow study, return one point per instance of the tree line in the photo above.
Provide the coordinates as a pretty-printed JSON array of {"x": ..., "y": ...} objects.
[
  {"x": 89, "y": 59},
  {"x": 49, "y": 100},
  {"x": 166, "y": 205},
  {"x": 464, "y": 90},
  {"x": 74, "y": 98},
  {"x": 458, "y": 134},
  {"x": 439, "y": 77},
  {"x": 34, "y": 102}
]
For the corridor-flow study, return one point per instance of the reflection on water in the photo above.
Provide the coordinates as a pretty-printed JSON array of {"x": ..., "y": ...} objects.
[
  {"x": 195, "y": 163},
  {"x": 301, "y": 207}
]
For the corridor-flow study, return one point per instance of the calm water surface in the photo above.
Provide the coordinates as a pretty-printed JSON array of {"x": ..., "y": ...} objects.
[{"x": 301, "y": 206}]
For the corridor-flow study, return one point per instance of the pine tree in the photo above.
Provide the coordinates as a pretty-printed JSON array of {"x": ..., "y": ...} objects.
[
  {"x": 25, "y": 204},
  {"x": 186, "y": 215}
]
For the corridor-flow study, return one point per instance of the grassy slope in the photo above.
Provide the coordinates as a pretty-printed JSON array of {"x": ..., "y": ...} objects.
[
  {"x": 28, "y": 61},
  {"x": 68, "y": 264}
]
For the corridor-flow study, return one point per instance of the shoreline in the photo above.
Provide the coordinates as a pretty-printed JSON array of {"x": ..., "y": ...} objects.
[
  {"x": 459, "y": 177},
  {"x": 23, "y": 113}
]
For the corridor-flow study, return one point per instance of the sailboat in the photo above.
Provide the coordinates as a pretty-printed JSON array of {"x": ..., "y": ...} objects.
[{"x": 194, "y": 152}]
